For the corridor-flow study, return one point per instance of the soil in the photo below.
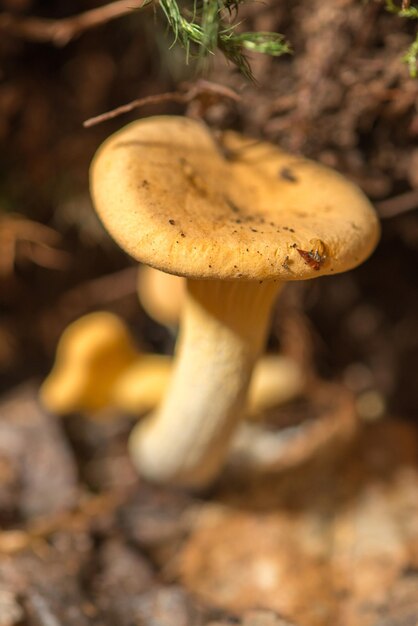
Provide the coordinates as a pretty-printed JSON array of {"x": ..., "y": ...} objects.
[{"x": 331, "y": 538}]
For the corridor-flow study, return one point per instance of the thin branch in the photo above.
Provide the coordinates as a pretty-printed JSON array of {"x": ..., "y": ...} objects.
[
  {"x": 61, "y": 32},
  {"x": 397, "y": 205},
  {"x": 89, "y": 508},
  {"x": 20, "y": 237},
  {"x": 135, "y": 104},
  {"x": 198, "y": 89}
]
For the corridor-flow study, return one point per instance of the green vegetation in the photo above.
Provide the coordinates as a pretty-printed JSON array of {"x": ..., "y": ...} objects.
[
  {"x": 203, "y": 26},
  {"x": 407, "y": 11}
]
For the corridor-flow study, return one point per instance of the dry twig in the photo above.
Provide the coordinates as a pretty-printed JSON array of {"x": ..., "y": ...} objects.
[
  {"x": 201, "y": 89},
  {"x": 89, "y": 509},
  {"x": 61, "y": 32},
  {"x": 20, "y": 237},
  {"x": 397, "y": 205}
]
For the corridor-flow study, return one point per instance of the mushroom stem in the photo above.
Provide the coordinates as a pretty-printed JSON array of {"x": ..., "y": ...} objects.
[{"x": 222, "y": 333}]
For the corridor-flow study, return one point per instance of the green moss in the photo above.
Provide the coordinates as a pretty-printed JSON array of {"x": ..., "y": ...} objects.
[{"x": 204, "y": 26}]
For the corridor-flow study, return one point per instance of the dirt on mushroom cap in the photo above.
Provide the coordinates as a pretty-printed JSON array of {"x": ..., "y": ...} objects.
[{"x": 177, "y": 199}]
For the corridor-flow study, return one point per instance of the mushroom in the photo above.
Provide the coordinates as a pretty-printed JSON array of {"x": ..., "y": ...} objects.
[
  {"x": 238, "y": 219},
  {"x": 161, "y": 295},
  {"x": 98, "y": 367},
  {"x": 141, "y": 387},
  {"x": 276, "y": 380},
  {"x": 92, "y": 353}
]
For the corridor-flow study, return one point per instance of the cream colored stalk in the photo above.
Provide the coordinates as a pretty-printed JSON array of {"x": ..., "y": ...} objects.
[{"x": 223, "y": 331}]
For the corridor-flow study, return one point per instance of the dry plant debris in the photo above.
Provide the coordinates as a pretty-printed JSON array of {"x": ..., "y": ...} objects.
[
  {"x": 22, "y": 239},
  {"x": 38, "y": 474},
  {"x": 61, "y": 32},
  {"x": 201, "y": 30},
  {"x": 200, "y": 96},
  {"x": 334, "y": 541}
]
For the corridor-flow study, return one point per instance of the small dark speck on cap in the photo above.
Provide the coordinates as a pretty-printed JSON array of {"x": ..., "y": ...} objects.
[
  {"x": 234, "y": 208},
  {"x": 293, "y": 245},
  {"x": 254, "y": 230},
  {"x": 172, "y": 222},
  {"x": 287, "y": 174},
  {"x": 182, "y": 235}
]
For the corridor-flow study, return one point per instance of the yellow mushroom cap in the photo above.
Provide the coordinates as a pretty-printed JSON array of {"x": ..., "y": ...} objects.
[
  {"x": 162, "y": 295},
  {"x": 142, "y": 385},
  {"x": 277, "y": 379},
  {"x": 176, "y": 199},
  {"x": 91, "y": 354}
]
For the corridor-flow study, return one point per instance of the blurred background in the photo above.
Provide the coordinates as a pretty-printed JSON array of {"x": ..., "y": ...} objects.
[{"x": 331, "y": 537}]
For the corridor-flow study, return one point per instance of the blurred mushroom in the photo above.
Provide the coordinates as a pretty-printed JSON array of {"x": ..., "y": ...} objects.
[
  {"x": 98, "y": 367},
  {"x": 142, "y": 386},
  {"x": 91, "y": 354},
  {"x": 238, "y": 218},
  {"x": 276, "y": 380},
  {"x": 161, "y": 295}
]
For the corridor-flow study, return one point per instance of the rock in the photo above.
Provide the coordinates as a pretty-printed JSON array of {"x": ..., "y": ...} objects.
[
  {"x": 47, "y": 583},
  {"x": 156, "y": 516},
  {"x": 39, "y": 474},
  {"x": 123, "y": 574},
  {"x": 166, "y": 606},
  {"x": 264, "y": 618},
  {"x": 11, "y": 611}
]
